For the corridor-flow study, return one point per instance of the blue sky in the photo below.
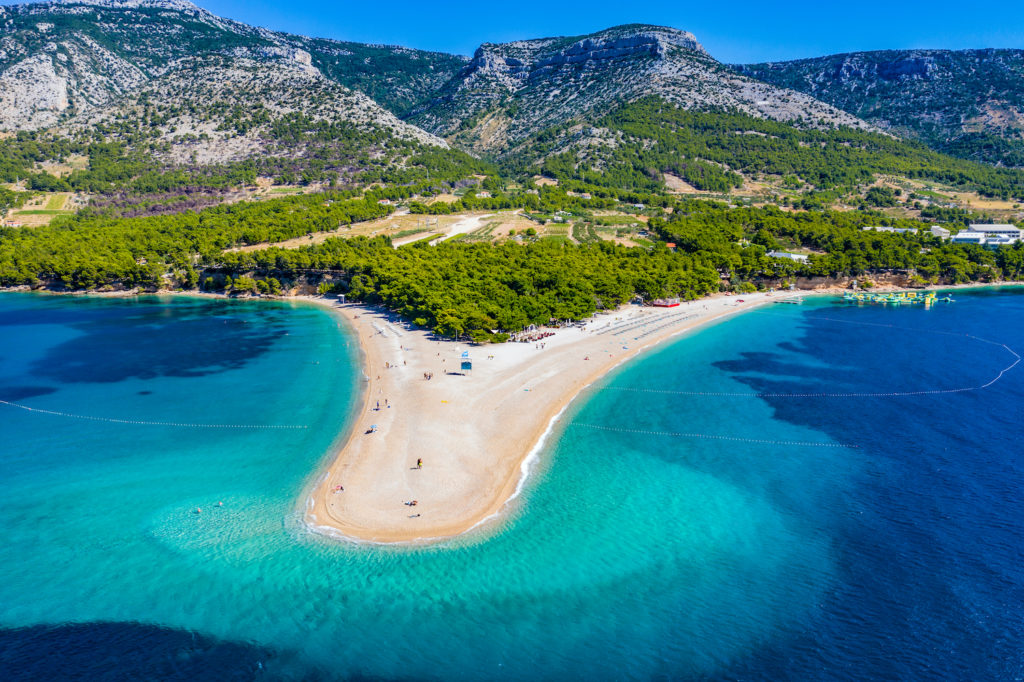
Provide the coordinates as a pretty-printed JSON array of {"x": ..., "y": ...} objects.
[{"x": 732, "y": 31}]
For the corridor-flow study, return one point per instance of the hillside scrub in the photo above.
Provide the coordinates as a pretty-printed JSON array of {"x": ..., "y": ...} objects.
[{"x": 709, "y": 149}]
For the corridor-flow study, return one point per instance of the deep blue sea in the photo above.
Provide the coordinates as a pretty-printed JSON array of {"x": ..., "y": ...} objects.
[{"x": 804, "y": 492}]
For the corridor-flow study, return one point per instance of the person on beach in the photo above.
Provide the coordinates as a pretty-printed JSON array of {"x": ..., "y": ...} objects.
[{"x": 419, "y": 463}]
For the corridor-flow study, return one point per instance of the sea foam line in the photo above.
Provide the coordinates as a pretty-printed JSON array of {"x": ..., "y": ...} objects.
[
  {"x": 525, "y": 467},
  {"x": 142, "y": 422}
]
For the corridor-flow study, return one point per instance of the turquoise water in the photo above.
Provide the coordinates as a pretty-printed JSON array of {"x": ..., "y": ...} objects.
[{"x": 890, "y": 533}]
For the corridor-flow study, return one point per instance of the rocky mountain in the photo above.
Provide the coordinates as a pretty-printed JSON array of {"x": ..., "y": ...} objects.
[
  {"x": 969, "y": 103},
  {"x": 197, "y": 88},
  {"x": 509, "y": 91},
  {"x": 222, "y": 109},
  {"x": 64, "y": 58}
]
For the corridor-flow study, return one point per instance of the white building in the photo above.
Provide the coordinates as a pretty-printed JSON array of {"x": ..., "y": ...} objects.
[
  {"x": 969, "y": 237},
  {"x": 1000, "y": 240},
  {"x": 798, "y": 257},
  {"x": 886, "y": 228},
  {"x": 940, "y": 232},
  {"x": 998, "y": 230},
  {"x": 992, "y": 236}
]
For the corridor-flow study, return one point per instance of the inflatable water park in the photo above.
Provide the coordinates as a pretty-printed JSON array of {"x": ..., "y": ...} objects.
[{"x": 927, "y": 298}]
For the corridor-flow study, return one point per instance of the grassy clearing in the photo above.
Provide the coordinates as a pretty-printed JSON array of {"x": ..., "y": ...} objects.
[
  {"x": 57, "y": 201},
  {"x": 933, "y": 195},
  {"x": 556, "y": 230},
  {"x": 408, "y": 233},
  {"x": 394, "y": 226}
]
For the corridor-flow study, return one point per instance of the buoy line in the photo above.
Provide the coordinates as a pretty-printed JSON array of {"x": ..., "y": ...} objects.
[
  {"x": 141, "y": 422},
  {"x": 709, "y": 436},
  {"x": 867, "y": 394}
]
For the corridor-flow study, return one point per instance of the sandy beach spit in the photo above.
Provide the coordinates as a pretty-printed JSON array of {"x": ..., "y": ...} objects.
[
  {"x": 472, "y": 431},
  {"x": 455, "y": 443}
]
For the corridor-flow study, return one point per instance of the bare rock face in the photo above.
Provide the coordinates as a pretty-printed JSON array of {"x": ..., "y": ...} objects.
[
  {"x": 31, "y": 91},
  {"x": 293, "y": 56},
  {"x": 187, "y": 88},
  {"x": 180, "y": 5},
  {"x": 101, "y": 50},
  {"x": 215, "y": 111},
  {"x": 60, "y": 79},
  {"x": 510, "y": 91}
]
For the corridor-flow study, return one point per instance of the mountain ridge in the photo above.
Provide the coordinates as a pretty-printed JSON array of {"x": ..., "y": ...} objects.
[
  {"x": 510, "y": 91},
  {"x": 966, "y": 102},
  {"x": 63, "y": 61},
  {"x": 182, "y": 103},
  {"x": 86, "y": 54}
]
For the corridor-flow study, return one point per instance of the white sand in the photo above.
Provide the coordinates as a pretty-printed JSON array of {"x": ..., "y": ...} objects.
[{"x": 474, "y": 431}]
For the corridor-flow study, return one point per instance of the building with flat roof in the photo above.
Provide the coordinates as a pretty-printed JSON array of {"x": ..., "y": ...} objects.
[
  {"x": 969, "y": 237},
  {"x": 983, "y": 236},
  {"x": 886, "y": 228},
  {"x": 1000, "y": 240},
  {"x": 1000, "y": 228},
  {"x": 798, "y": 257}
]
